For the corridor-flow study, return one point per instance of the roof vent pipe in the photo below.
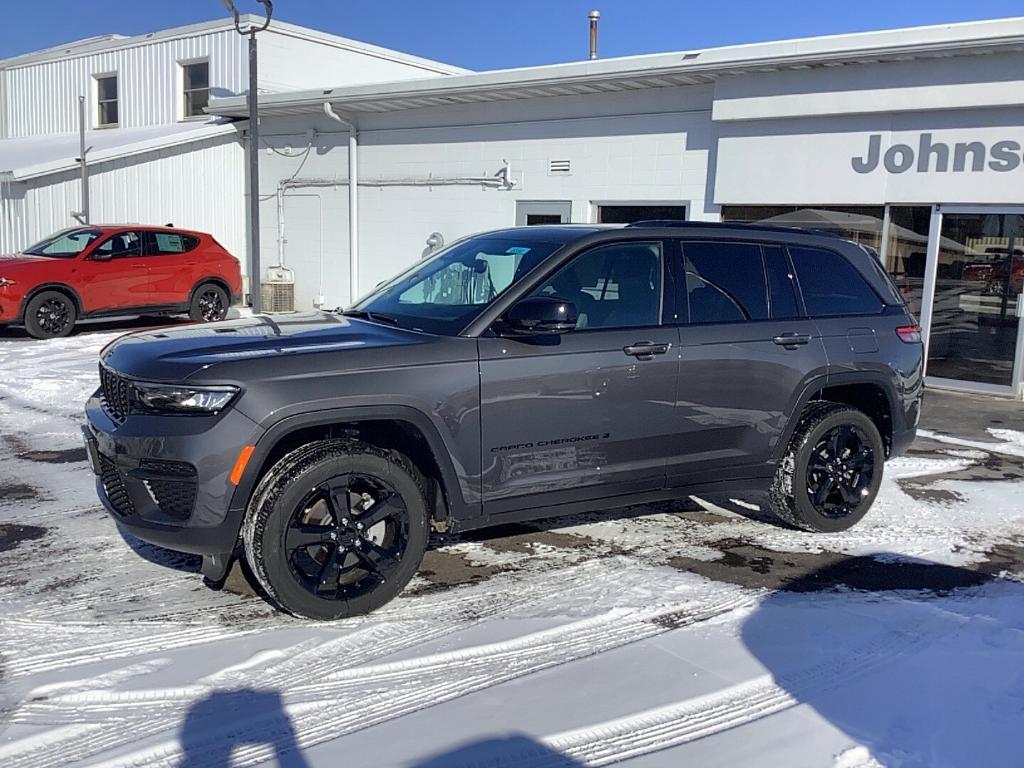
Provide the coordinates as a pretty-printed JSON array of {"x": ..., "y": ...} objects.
[{"x": 594, "y": 16}]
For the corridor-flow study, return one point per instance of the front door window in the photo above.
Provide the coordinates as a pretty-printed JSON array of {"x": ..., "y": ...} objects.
[{"x": 978, "y": 286}]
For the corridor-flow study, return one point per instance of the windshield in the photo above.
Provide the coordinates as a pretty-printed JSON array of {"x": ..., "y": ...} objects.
[
  {"x": 445, "y": 292},
  {"x": 66, "y": 244}
]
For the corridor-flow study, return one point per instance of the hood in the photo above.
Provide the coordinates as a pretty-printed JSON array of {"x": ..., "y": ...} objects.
[
  {"x": 178, "y": 353},
  {"x": 20, "y": 260}
]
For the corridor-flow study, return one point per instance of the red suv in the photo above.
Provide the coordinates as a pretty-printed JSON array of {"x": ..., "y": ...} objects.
[{"x": 97, "y": 271}]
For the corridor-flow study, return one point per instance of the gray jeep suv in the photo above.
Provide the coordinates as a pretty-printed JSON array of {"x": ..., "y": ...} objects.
[{"x": 517, "y": 374}]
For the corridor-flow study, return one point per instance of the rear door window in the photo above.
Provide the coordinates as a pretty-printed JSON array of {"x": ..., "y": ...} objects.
[
  {"x": 831, "y": 285},
  {"x": 167, "y": 243},
  {"x": 725, "y": 282}
]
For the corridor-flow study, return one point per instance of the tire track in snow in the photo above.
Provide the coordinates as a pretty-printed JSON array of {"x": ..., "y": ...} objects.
[{"x": 393, "y": 689}]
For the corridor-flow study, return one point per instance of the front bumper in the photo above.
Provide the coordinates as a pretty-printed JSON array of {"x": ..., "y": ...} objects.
[{"x": 166, "y": 479}]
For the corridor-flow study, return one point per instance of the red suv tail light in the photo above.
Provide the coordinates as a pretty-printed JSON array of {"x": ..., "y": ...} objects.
[{"x": 911, "y": 334}]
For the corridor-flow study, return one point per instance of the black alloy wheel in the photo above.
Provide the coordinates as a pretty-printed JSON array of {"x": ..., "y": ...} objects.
[
  {"x": 336, "y": 528},
  {"x": 50, "y": 315},
  {"x": 347, "y": 536},
  {"x": 840, "y": 472},
  {"x": 831, "y": 471},
  {"x": 211, "y": 305},
  {"x": 53, "y": 316}
]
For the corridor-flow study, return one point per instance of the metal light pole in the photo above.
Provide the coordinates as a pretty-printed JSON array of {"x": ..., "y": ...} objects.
[
  {"x": 252, "y": 100},
  {"x": 83, "y": 214}
]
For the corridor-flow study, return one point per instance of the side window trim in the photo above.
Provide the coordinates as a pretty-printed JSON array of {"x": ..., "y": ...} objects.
[{"x": 149, "y": 247}]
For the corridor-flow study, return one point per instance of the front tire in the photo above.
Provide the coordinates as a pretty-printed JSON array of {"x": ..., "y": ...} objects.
[
  {"x": 831, "y": 472},
  {"x": 209, "y": 304},
  {"x": 50, "y": 315},
  {"x": 336, "y": 528}
]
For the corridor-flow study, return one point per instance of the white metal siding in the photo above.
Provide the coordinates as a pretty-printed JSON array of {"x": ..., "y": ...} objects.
[
  {"x": 43, "y": 98},
  {"x": 657, "y": 148},
  {"x": 196, "y": 186},
  {"x": 289, "y": 63}
]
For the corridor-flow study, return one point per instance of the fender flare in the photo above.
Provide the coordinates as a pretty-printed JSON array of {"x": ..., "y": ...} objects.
[
  {"x": 220, "y": 282},
  {"x": 459, "y": 508},
  {"x": 822, "y": 381},
  {"x": 62, "y": 287}
]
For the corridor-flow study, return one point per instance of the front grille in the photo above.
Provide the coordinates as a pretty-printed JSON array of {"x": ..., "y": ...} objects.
[
  {"x": 116, "y": 394},
  {"x": 175, "y": 492},
  {"x": 114, "y": 487}
]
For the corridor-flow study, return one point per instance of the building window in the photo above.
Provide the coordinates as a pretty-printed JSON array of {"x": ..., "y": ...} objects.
[
  {"x": 195, "y": 80},
  {"x": 904, "y": 251},
  {"x": 106, "y": 101},
  {"x": 627, "y": 214}
]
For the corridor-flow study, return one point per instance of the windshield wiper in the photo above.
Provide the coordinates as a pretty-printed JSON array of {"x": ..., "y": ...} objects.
[{"x": 375, "y": 317}]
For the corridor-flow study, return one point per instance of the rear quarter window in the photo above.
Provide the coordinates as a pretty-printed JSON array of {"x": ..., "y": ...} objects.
[{"x": 831, "y": 285}]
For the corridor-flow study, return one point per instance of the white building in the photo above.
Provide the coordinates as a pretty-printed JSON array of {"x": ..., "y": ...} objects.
[
  {"x": 908, "y": 140},
  {"x": 154, "y": 155}
]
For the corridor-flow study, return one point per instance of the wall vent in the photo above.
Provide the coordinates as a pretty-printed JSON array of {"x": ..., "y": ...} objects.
[{"x": 559, "y": 167}]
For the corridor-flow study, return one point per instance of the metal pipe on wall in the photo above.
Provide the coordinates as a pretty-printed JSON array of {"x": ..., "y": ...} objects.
[{"x": 353, "y": 200}]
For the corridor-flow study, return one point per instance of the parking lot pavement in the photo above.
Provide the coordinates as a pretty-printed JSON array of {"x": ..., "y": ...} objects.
[
  {"x": 699, "y": 627},
  {"x": 970, "y": 416}
]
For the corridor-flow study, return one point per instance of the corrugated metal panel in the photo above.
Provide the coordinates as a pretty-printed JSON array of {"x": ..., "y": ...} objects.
[
  {"x": 197, "y": 186},
  {"x": 43, "y": 98}
]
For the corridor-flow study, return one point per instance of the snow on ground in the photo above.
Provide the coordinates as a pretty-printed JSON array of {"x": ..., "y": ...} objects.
[{"x": 696, "y": 634}]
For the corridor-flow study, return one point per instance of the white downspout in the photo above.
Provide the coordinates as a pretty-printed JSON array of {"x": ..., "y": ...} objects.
[{"x": 353, "y": 200}]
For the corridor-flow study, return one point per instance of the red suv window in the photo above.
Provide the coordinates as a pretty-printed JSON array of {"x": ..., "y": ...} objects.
[{"x": 172, "y": 242}]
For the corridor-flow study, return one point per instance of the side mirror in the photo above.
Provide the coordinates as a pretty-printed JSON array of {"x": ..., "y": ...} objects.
[
  {"x": 100, "y": 256},
  {"x": 540, "y": 316}
]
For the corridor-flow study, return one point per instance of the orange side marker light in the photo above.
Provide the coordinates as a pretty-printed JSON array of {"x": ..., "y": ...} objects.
[{"x": 240, "y": 464}]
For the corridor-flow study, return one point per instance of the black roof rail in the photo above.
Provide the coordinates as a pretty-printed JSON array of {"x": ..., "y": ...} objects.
[{"x": 676, "y": 223}]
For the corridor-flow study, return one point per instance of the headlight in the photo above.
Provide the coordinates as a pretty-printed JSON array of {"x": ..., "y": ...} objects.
[{"x": 170, "y": 398}]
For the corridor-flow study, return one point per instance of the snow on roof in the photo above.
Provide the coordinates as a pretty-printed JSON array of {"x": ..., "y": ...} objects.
[
  {"x": 650, "y": 70},
  {"x": 35, "y": 156}
]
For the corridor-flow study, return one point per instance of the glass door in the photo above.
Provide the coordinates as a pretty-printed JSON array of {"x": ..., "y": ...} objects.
[{"x": 974, "y": 335}]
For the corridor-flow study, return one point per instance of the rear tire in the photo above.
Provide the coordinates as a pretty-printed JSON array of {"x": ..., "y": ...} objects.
[
  {"x": 210, "y": 303},
  {"x": 831, "y": 472},
  {"x": 336, "y": 528},
  {"x": 50, "y": 315}
]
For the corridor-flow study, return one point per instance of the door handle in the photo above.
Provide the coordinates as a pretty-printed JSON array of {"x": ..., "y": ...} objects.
[
  {"x": 646, "y": 350},
  {"x": 792, "y": 340}
]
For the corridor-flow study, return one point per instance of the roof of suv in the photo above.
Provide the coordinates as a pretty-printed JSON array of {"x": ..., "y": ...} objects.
[
  {"x": 861, "y": 257},
  {"x": 569, "y": 232}
]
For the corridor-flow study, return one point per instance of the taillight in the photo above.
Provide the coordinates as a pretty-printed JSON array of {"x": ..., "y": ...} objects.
[{"x": 911, "y": 334}]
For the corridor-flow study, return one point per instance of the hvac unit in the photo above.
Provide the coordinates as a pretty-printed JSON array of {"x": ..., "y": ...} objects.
[{"x": 277, "y": 292}]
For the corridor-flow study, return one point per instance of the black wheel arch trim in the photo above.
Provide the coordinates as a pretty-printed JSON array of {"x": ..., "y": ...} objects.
[
  {"x": 821, "y": 381},
  {"x": 458, "y": 508},
  {"x": 60, "y": 287}
]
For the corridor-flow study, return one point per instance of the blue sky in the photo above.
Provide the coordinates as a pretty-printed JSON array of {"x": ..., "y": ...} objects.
[{"x": 485, "y": 34}]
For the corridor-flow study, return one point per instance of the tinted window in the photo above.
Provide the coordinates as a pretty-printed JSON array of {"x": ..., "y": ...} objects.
[
  {"x": 173, "y": 242},
  {"x": 831, "y": 285},
  {"x": 780, "y": 283},
  {"x": 725, "y": 282},
  {"x": 613, "y": 286},
  {"x": 446, "y": 291},
  {"x": 122, "y": 245}
]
